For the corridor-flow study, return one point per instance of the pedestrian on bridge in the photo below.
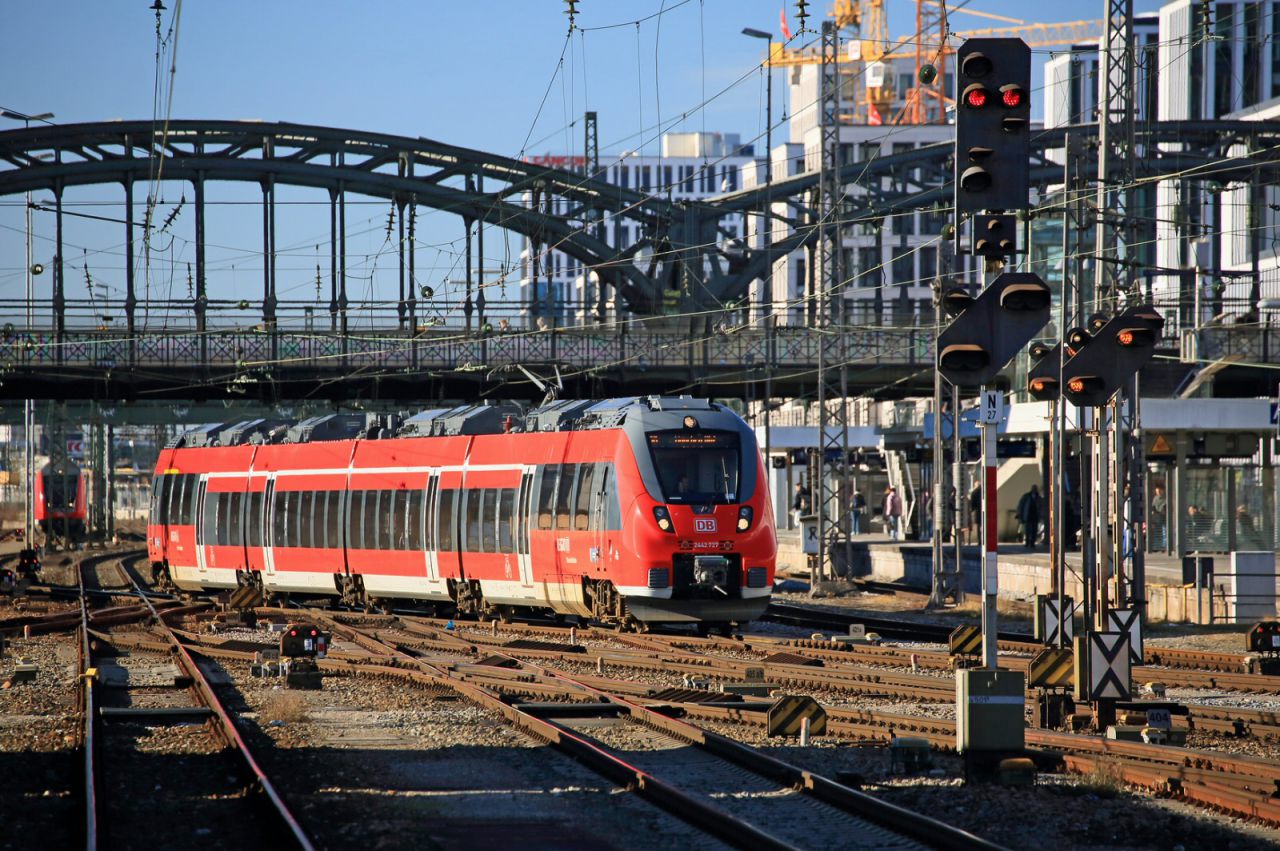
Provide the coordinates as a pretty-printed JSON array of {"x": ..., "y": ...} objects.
[{"x": 800, "y": 503}]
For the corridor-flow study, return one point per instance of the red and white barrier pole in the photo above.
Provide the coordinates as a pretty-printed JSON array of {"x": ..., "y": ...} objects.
[{"x": 989, "y": 415}]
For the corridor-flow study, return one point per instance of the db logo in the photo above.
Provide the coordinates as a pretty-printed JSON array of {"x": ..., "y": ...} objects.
[{"x": 704, "y": 524}]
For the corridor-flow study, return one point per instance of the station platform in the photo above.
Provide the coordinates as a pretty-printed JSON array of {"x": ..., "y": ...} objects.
[{"x": 1024, "y": 573}]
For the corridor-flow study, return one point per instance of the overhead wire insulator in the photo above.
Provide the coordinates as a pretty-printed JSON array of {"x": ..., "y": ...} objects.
[
  {"x": 572, "y": 12},
  {"x": 802, "y": 13}
]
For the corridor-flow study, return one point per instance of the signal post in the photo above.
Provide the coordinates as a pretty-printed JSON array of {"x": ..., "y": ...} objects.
[{"x": 991, "y": 180}]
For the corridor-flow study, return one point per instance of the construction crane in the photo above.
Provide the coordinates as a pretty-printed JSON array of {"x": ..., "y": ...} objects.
[{"x": 870, "y": 45}]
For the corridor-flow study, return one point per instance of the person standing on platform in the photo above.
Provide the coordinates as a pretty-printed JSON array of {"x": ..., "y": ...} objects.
[
  {"x": 800, "y": 503},
  {"x": 859, "y": 509},
  {"x": 1029, "y": 516},
  {"x": 892, "y": 511}
]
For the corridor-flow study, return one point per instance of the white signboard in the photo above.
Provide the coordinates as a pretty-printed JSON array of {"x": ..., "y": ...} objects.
[{"x": 992, "y": 409}]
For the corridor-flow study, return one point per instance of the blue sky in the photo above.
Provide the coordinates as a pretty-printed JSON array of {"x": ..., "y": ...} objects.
[{"x": 466, "y": 73}]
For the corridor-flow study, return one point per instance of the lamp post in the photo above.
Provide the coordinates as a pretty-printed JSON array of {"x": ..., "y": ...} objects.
[
  {"x": 29, "y": 407},
  {"x": 766, "y": 286}
]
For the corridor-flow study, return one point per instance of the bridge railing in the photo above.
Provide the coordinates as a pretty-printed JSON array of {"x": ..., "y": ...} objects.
[{"x": 607, "y": 348}]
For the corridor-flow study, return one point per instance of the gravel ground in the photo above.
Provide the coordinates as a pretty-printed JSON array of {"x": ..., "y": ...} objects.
[
  {"x": 39, "y": 730},
  {"x": 1070, "y": 811},
  {"x": 1223, "y": 639},
  {"x": 1014, "y": 616},
  {"x": 379, "y": 764}
]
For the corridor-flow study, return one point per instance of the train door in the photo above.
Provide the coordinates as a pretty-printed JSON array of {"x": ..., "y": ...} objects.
[
  {"x": 430, "y": 509},
  {"x": 599, "y": 502},
  {"x": 202, "y": 487},
  {"x": 269, "y": 531},
  {"x": 525, "y": 518}
]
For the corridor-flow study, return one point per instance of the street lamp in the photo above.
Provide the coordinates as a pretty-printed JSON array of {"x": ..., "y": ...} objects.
[
  {"x": 766, "y": 286},
  {"x": 29, "y": 408}
]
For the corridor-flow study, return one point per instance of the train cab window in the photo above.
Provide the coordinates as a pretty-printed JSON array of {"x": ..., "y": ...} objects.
[
  {"x": 564, "y": 495},
  {"x": 696, "y": 467},
  {"x": 444, "y": 536},
  {"x": 548, "y": 475},
  {"x": 177, "y": 517},
  {"x": 582, "y": 504},
  {"x": 506, "y": 520}
]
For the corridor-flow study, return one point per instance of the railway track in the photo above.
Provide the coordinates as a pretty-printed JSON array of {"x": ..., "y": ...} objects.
[
  {"x": 190, "y": 781},
  {"x": 717, "y": 764}
]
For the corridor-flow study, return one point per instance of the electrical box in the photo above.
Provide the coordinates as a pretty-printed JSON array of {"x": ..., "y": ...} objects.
[{"x": 990, "y": 710}]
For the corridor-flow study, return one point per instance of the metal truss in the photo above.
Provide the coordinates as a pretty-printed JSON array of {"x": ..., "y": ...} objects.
[{"x": 830, "y": 489}]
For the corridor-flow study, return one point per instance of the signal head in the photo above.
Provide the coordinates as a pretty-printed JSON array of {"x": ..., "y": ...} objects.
[
  {"x": 1012, "y": 96},
  {"x": 1136, "y": 337},
  {"x": 1077, "y": 339},
  {"x": 976, "y": 96},
  {"x": 1043, "y": 389},
  {"x": 975, "y": 65},
  {"x": 1039, "y": 350},
  {"x": 1096, "y": 322}
]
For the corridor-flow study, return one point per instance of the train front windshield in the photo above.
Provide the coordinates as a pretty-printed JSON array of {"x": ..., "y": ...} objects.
[
  {"x": 697, "y": 467},
  {"x": 60, "y": 491}
]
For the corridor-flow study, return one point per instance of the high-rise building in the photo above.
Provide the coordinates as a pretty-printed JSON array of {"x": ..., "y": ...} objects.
[{"x": 558, "y": 289}]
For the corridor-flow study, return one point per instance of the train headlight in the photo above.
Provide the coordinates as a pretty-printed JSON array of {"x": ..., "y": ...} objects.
[
  {"x": 663, "y": 517},
  {"x": 745, "y": 516}
]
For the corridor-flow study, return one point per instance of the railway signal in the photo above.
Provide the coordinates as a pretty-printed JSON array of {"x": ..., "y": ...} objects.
[
  {"x": 988, "y": 330},
  {"x": 1111, "y": 355},
  {"x": 992, "y": 121}
]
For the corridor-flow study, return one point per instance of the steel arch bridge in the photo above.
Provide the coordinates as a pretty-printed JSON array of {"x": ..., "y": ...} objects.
[{"x": 418, "y": 172}]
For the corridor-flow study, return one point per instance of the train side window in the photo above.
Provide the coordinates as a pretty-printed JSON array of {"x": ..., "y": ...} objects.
[
  {"x": 209, "y": 523},
  {"x": 175, "y": 516},
  {"x": 428, "y": 520},
  {"x": 413, "y": 519},
  {"x": 388, "y": 522},
  {"x": 159, "y": 493},
  {"x": 188, "y": 513},
  {"x": 445, "y": 536},
  {"x": 299, "y": 520},
  {"x": 489, "y": 521},
  {"x": 506, "y": 520},
  {"x": 355, "y": 511},
  {"x": 564, "y": 495},
  {"x": 612, "y": 506},
  {"x": 369, "y": 525},
  {"x": 221, "y": 518},
  {"x": 470, "y": 542},
  {"x": 333, "y": 520},
  {"x": 582, "y": 505},
  {"x": 548, "y": 475},
  {"x": 279, "y": 510},
  {"x": 402, "y": 520},
  {"x": 315, "y": 519},
  {"x": 252, "y": 525},
  {"x": 235, "y": 505}
]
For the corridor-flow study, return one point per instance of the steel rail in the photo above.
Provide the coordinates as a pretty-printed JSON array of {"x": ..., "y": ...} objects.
[
  {"x": 696, "y": 811},
  {"x": 226, "y": 724}
]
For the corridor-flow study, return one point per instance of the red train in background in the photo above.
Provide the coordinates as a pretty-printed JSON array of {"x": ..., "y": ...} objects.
[
  {"x": 61, "y": 500},
  {"x": 636, "y": 510}
]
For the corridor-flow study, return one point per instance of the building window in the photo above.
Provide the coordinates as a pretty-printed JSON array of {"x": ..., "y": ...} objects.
[
  {"x": 1275, "y": 50},
  {"x": 666, "y": 177},
  {"x": 869, "y": 273},
  {"x": 904, "y": 267},
  {"x": 1252, "y": 47},
  {"x": 1223, "y": 59},
  {"x": 928, "y": 263},
  {"x": 624, "y": 176}
]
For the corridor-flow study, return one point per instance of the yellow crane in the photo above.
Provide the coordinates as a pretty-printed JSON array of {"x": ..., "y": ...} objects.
[{"x": 868, "y": 19}]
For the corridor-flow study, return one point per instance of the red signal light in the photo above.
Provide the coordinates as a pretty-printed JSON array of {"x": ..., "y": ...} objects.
[
  {"x": 293, "y": 633},
  {"x": 1076, "y": 385},
  {"x": 1012, "y": 98},
  {"x": 313, "y": 632},
  {"x": 1126, "y": 338},
  {"x": 976, "y": 98}
]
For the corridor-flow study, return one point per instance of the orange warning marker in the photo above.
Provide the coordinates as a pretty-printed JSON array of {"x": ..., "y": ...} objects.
[{"x": 1161, "y": 445}]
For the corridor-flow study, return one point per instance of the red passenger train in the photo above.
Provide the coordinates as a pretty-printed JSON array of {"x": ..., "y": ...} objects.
[
  {"x": 635, "y": 510},
  {"x": 61, "y": 501}
]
